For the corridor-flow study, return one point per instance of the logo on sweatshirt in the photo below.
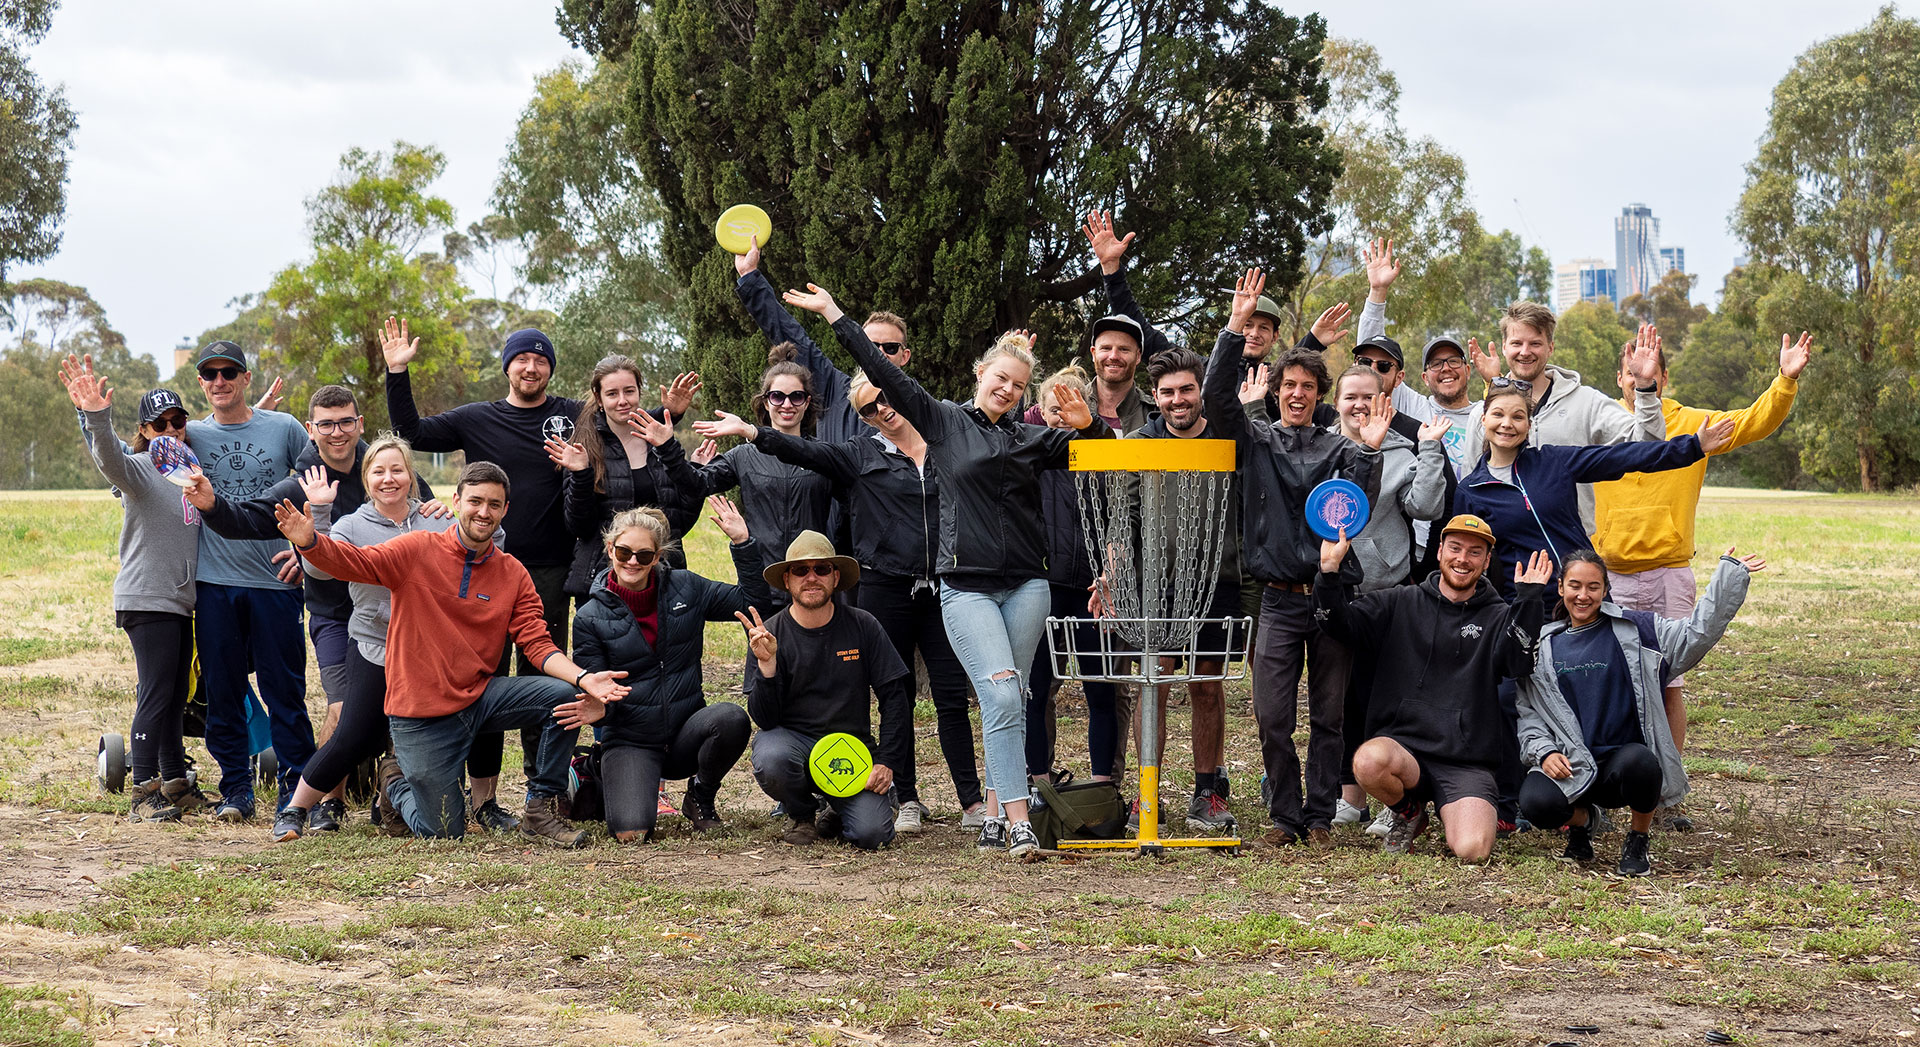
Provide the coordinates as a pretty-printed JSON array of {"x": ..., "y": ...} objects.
[
  {"x": 1470, "y": 631},
  {"x": 851, "y": 654}
]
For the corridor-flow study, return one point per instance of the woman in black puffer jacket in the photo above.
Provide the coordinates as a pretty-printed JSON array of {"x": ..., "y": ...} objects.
[{"x": 648, "y": 619}]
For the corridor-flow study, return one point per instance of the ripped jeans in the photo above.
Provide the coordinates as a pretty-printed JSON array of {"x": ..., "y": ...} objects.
[{"x": 996, "y": 633}]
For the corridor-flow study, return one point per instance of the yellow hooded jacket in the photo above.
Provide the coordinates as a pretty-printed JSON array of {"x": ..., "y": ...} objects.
[{"x": 1645, "y": 520}]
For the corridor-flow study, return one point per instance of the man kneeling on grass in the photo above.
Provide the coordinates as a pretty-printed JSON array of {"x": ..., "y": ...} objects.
[
  {"x": 1434, "y": 723},
  {"x": 1593, "y": 716},
  {"x": 456, "y": 599},
  {"x": 810, "y": 669}
]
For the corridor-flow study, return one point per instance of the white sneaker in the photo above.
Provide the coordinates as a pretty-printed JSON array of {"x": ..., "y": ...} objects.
[
  {"x": 973, "y": 817},
  {"x": 912, "y": 817},
  {"x": 1382, "y": 825},
  {"x": 1345, "y": 813}
]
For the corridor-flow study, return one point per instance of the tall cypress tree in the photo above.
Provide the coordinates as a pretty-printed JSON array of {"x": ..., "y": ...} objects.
[{"x": 934, "y": 157}]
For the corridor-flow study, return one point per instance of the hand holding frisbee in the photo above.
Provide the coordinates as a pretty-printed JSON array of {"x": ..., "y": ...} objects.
[
  {"x": 739, "y": 225},
  {"x": 840, "y": 764}
]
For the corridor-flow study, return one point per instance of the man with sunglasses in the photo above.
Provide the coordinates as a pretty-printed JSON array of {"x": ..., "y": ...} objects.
[
  {"x": 244, "y": 610},
  {"x": 810, "y": 670}
]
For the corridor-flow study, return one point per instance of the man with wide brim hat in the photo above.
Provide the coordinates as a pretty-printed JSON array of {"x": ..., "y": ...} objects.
[{"x": 814, "y": 670}]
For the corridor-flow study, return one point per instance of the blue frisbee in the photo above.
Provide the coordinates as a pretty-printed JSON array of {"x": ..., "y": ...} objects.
[{"x": 1336, "y": 504}]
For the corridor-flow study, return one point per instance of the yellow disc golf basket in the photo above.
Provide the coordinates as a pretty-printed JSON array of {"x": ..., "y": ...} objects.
[{"x": 1154, "y": 513}]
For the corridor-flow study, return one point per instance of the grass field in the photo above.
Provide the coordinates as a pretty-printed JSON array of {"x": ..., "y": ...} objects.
[{"x": 1791, "y": 917}]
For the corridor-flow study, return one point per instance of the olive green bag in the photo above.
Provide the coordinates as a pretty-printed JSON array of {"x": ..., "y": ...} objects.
[{"x": 1091, "y": 811}]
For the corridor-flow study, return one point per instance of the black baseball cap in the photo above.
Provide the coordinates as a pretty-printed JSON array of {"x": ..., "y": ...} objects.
[
  {"x": 222, "y": 350},
  {"x": 1426, "y": 355},
  {"x": 157, "y": 403},
  {"x": 1385, "y": 345},
  {"x": 1123, "y": 323}
]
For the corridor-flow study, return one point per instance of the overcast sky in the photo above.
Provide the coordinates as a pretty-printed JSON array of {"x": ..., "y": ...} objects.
[{"x": 204, "y": 126}]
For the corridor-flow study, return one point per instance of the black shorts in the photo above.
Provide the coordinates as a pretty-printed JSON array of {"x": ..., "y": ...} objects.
[
  {"x": 1214, "y": 637},
  {"x": 1444, "y": 782}
]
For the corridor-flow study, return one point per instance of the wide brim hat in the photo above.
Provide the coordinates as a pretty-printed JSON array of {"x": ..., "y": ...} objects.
[{"x": 812, "y": 545}]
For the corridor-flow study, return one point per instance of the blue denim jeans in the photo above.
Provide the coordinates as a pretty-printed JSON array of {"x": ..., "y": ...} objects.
[
  {"x": 236, "y": 626},
  {"x": 433, "y": 749},
  {"x": 998, "y": 632}
]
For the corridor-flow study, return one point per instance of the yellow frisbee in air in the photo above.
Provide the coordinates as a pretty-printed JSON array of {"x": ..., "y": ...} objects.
[
  {"x": 840, "y": 764},
  {"x": 739, "y": 225}
]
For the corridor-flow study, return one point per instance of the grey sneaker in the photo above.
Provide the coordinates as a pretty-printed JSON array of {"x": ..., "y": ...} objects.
[
  {"x": 1405, "y": 831},
  {"x": 1673, "y": 819},
  {"x": 1345, "y": 813},
  {"x": 973, "y": 817},
  {"x": 912, "y": 817},
  {"x": 1382, "y": 825},
  {"x": 1207, "y": 812},
  {"x": 993, "y": 835},
  {"x": 1022, "y": 840},
  {"x": 495, "y": 818}
]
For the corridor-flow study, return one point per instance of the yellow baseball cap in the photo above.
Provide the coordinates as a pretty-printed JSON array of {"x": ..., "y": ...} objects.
[{"x": 1467, "y": 523}]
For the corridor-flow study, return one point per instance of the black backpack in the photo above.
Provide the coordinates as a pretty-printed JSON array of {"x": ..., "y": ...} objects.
[{"x": 1093, "y": 810}]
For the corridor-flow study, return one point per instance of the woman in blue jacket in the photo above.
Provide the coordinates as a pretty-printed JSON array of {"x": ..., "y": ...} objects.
[
  {"x": 1530, "y": 496},
  {"x": 647, "y": 618}
]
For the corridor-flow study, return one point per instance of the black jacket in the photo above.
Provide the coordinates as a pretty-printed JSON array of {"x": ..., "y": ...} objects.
[
  {"x": 778, "y": 500},
  {"x": 253, "y": 520},
  {"x": 664, "y": 677},
  {"x": 1279, "y": 466},
  {"x": 667, "y": 482},
  {"x": 894, "y": 505},
  {"x": 991, "y": 530},
  {"x": 1437, "y": 664}
]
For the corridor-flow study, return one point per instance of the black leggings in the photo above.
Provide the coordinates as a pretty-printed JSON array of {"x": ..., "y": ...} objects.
[
  {"x": 362, "y": 731},
  {"x": 163, "y": 662},
  {"x": 1630, "y": 776},
  {"x": 708, "y": 744},
  {"x": 913, "y": 622},
  {"x": 1104, "y": 729}
]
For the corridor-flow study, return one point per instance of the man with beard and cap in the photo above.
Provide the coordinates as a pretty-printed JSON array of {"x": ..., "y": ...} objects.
[
  {"x": 1434, "y": 721},
  {"x": 810, "y": 670}
]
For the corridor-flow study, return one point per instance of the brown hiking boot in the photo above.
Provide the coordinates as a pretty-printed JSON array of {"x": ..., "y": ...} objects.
[
  {"x": 1277, "y": 838},
  {"x": 386, "y": 771},
  {"x": 1320, "y": 840},
  {"x": 697, "y": 805},
  {"x": 185, "y": 796},
  {"x": 542, "y": 820},
  {"x": 147, "y": 803},
  {"x": 803, "y": 834}
]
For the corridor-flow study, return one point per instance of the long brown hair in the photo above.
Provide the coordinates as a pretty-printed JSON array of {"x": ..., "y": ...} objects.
[
  {"x": 587, "y": 431},
  {"x": 780, "y": 362}
]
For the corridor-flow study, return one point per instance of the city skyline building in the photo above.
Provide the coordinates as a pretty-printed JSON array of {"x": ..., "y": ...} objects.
[
  {"x": 1636, "y": 251},
  {"x": 1582, "y": 280},
  {"x": 1672, "y": 258}
]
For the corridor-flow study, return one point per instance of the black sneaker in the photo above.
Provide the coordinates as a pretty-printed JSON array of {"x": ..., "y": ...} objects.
[
  {"x": 1633, "y": 855},
  {"x": 1022, "y": 840},
  {"x": 289, "y": 824},
  {"x": 495, "y": 818},
  {"x": 1579, "y": 844},
  {"x": 327, "y": 816},
  {"x": 993, "y": 835}
]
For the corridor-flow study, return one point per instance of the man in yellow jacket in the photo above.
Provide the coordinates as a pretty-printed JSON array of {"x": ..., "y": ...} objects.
[{"x": 1643, "y": 523}]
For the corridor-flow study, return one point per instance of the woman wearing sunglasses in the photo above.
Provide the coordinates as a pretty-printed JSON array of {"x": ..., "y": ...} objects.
[
  {"x": 893, "y": 502},
  {"x": 778, "y": 500},
  {"x": 648, "y": 618},
  {"x": 153, "y": 593}
]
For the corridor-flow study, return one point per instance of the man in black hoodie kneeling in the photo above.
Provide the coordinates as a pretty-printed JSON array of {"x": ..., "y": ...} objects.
[{"x": 1434, "y": 724}]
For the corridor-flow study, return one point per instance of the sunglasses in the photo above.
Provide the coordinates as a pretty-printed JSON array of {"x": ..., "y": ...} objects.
[
  {"x": 208, "y": 374},
  {"x": 1518, "y": 383},
  {"x": 890, "y": 348},
  {"x": 170, "y": 421},
  {"x": 797, "y": 399},
  {"x": 1384, "y": 366},
  {"x": 823, "y": 569},
  {"x": 873, "y": 406},
  {"x": 643, "y": 557},
  {"x": 336, "y": 425},
  {"x": 1447, "y": 363}
]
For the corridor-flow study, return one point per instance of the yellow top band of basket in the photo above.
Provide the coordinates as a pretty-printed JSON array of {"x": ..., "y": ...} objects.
[{"x": 1168, "y": 454}]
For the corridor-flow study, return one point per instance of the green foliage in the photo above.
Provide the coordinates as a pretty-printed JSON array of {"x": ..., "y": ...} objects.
[
  {"x": 367, "y": 229},
  {"x": 936, "y": 160},
  {"x": 1588, "y": 338},
  {"x": 1728, "y": 363},
  {"x": 1828, "y": 214},
  {"x": 48, "y": 320},
  {"x": 1669, "y": 306},
  {"x": 572, "y": 191},
  {"x": 36, "y": 130}
]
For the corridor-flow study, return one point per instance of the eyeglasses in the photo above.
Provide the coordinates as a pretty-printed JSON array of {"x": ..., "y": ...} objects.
[
  {"x": 1384, "y": 365},
  {"x": 873, "y": 406},
  {"x": 1518, "y": 383},
  {"x": 1447, "y": 363},
  {"x": 336, "y": 425},
  {"x": 643, "y": 557},
  {"x": 797, "y": 398},
  {"x": 890, "y": 348},
  {"x": 822, "y": 569},
  {"x": 170, "y": 421},
  {"x": 208, "y": 374}
]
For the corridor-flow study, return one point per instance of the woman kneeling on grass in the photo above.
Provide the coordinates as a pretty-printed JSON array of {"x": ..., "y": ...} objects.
[
  {"x": 153, "y": 593},
  {"x": 648, "y": 619},
  {"x": 1593, "y": 718}
]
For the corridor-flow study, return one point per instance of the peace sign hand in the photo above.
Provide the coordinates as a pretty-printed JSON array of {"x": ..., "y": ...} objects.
[{"x": 762, "y": 643}]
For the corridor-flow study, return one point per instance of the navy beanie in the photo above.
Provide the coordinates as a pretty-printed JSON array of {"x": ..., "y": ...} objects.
[{"x": 528, "y": 340}]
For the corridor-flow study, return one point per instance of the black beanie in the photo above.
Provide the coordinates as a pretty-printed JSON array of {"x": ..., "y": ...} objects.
[{"x": 528, "y": 340}]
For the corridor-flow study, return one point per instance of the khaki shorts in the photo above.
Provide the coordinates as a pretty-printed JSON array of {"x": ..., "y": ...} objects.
[{"x": 1666, "y": 591}]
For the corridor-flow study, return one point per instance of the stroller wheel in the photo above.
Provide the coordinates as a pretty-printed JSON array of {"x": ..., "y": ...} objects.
[{"x": 110, "y": 763}]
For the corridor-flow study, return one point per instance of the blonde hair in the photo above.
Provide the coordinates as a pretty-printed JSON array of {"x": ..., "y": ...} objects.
[
  {"x": 1070, "y": 375},
  {"x": 646, "y": 518},
  {"x": 1017, "y": 346},
  {"x": 390, "y": 441},
  {"x": 1533, "y": 314}
]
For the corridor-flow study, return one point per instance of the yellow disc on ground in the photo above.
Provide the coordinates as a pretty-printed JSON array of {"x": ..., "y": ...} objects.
[
  {"x": 840, "y": 764},
  {"x": 1166, "y": 454},
  {"x": 739, "y": 225}
]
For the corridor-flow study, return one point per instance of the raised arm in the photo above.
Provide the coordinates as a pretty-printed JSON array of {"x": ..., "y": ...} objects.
[
  {"x": 1220, "y": 386},
  {"x": 1520, "y": 639},
  {"x": 398, "y": 347},
  {"x": 1612, "y": 461},
  {"x": 1687, "y": 640},
  {"x": 907, "y": 396},
  {"x": 830, "y": 384},
  {"x": 1111, "y": 250}
]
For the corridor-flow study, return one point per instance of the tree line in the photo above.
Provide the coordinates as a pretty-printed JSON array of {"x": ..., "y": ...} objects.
[{"x": 935, "y": 162}]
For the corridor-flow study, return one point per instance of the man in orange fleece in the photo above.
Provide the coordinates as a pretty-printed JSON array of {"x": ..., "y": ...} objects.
[
  {"x": 456, "y": 599},
  {"x": 1643, "y": 523}
]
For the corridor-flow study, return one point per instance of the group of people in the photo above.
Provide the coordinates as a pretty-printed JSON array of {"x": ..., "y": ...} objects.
[{"x": 1433, "y": 675}]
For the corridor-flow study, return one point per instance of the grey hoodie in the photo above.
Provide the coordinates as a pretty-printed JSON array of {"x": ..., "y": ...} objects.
[
  {"x": 159, "y": 549},
  {"x": 373, "y": 604},
  {"x": 1548, "y": 723},
  {"x": 1576, "y": 415},
  {"x": 1413, "y": 486}
]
